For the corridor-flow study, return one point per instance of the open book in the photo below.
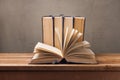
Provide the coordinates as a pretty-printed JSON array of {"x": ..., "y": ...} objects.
[{"x": 72, "y": 50}]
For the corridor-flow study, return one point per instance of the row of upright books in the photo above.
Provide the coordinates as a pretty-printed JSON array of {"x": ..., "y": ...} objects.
[{"x": 49, "y": 24}]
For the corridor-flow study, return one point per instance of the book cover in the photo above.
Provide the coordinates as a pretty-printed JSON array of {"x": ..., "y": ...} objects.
[
  {"x": 47, "y": 27},
  {"x": 79, "y": 24},
  {"x": 58, "y": 23}
]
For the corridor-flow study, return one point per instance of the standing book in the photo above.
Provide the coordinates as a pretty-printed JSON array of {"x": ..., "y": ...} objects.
[
  {"x": 79, "y": 24},
  {"x": 47, "y": 23},
  {"x": 68, "y": 22},
  {"x": 58, "y": 23}
]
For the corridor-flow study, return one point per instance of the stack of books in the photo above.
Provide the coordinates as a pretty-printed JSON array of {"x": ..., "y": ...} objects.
[{"x": 63, "y": 41}]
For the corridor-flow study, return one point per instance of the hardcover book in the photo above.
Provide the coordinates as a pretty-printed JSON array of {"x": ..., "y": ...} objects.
[
  {"x": 79, "y": 24},
  {"x": 47, "y": 23},
  {"x": 58, "y": 23}
]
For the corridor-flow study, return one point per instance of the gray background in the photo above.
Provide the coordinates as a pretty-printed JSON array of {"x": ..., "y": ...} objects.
[{"x": 20, "y": 22}]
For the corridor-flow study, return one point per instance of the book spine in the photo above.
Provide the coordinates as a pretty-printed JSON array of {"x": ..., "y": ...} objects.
[
  {"x": 79, "y": 24},
  {"x": 58, "y": 23},
  {"x": 68, "y": 22},
  {"x": 47, "y": 24}
]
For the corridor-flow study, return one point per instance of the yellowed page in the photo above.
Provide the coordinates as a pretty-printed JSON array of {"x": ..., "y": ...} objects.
[
  {"x": 68, "y": 36},
  {"x": 83, "y": 55},
  {"x": 65, "y": 39},
  {"x": 47, "y": 48},
  {"x": 74, "y": 35},
  {"x": 78, "y": 45},
  {"x": 58, "y": 41},
  {"x": 74, "y": 41}
]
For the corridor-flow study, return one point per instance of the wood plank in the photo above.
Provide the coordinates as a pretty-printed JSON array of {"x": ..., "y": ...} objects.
[
  {"x": 20, "y": 61},
  {"x": 59, "y": 75}
]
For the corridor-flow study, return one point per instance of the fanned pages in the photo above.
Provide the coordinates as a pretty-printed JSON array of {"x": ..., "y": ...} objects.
[
  {"x": 47, "y": 48},
  {"x": 72, "y": 51}
]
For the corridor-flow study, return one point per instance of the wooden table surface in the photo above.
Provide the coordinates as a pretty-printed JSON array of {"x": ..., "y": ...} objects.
[
  {"x": 20, "y": 61},
  {"x": 15, "y": 66}
]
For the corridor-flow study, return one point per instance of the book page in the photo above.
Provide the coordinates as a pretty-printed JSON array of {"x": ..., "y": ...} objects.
[
  {"x": 67, "y": 37},
  {"x": 58, "y": 41},
  {"x": 79, "y": 45},
  {"x": 78, "y": 35},
  {"x": 73, "y": 37},
  {"x": 48, "y": 48},
  {"x": 45, "y": 57},
  {"x": 83, "y": 55}
]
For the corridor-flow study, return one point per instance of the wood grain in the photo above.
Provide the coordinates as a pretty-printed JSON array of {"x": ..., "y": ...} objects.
[
  {"x": 15, "y": 66},
  {"x": 20, "y": 61},
  {"x": 36, "y": 75}
]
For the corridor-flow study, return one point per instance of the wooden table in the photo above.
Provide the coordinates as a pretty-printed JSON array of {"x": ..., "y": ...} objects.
[{"x": 14, "y": 66}]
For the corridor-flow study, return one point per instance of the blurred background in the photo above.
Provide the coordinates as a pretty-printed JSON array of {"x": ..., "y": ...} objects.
[{"x": 21, "y": 28}]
